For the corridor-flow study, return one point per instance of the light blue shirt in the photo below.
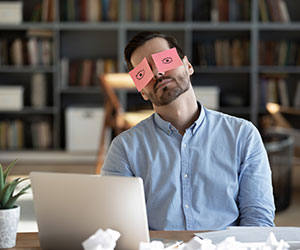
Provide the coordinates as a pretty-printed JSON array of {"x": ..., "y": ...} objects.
[{"x": 216, "y": 175}]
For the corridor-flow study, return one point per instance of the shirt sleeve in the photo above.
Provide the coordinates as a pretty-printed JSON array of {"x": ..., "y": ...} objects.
[
  {"x": 116, "y": 162},
  {"x": 255, "y": 199}
]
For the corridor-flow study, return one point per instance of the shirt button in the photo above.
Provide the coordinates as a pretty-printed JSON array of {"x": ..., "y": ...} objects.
[
  {"x": 184, "y": 145},
  {"x": 185, "y": 176},
  {"x": 187, "y": 206}
]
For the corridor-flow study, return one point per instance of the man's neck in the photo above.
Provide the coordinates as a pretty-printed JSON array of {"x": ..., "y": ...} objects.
[{"x": 182, "y": 112}]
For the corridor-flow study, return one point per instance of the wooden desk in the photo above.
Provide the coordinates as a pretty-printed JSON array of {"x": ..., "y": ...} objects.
[{"x": 30, "y": 241}]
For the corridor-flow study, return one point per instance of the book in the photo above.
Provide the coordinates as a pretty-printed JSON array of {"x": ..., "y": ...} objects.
[
  {"x": 3, "y": 52},
  {"x": 233, "y": 11},
  {"x": 20, "y": 134},
  {"x": 46, "y": 52},
  {"x": 291, "y": 55},
  {"x": 283, "y": 92},
  {"x": 218, "y": 52},
  {"x": 284, "y": 12},
  {"x": 214, "y": 12},
  {"x": 263, "y": 92},
  {"x": 180, "y": 10},
  {"x": 93, "y": 10},
  {"x": 17, "y": 52},
  {"x": 297, "y": 96},
  {"x": 237, "y": 53},
  {"x": 32, "y": 48},
  {"x": 42, "y": 33},
  {"x": 223, "y": 9},
  {"x": 86, "y": 75},
  {"x": 41, "y": 134},
  {"x": 263, "y": 11},
  {"x": 226, "y": 53},
  {"x": 38, "y": 87},
  {"x": 3, "y": 135},
  {"x": 156, "y": 11},
  {"x": 45, "y": 10},
  {"x": 83, "y": 9},
  {"x": 283, "y": 48},
  {"x": 113, "y": 10},
  {"x": 64, "y": 67},
  {"x": 274, "y": 10},
  {"x": 168, "y": 10},
  {"x": 272, "y": 91}
]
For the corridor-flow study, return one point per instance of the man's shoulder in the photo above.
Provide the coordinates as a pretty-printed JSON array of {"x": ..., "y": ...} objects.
[{"x": 218, "y": 116}]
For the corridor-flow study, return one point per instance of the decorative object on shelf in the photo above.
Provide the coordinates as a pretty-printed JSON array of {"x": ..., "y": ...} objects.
[
  {"x": 11, "y": 97},
  {"x": 9, "y": 212},
  {"x": 11, "y": 12}
]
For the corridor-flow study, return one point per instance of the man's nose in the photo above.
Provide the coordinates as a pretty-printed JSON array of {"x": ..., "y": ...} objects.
[{"x": 157, "y": 74}]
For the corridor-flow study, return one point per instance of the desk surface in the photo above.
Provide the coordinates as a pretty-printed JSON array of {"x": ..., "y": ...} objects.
[{"x": 30, "y": 241}]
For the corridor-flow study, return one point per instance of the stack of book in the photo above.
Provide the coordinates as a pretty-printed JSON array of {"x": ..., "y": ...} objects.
[
  {"x": 223, "y": 52},
  {"x": 35, "y": 49},
  {"x": 44, "y": 11},
  {"x": 231, "y": 10},
  {"x": 14, "y": 136},
  {"x": 277, "y": 90},
  {"x": 11, "y": 135},
  {"x": 85, "y": 72},
  {"x": 41, "y": 135},
  {"x": 274, "y": 10},
  {"x": 89, "y": 10},
  {"x": 155, "y": 10},
  {"x": 281, "y": 53}
]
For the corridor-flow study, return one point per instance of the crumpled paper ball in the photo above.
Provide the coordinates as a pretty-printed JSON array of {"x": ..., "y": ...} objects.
[
  {"x": 153, "y": 245},
  {"x": 231, "y": 244},
  {"x": 102, "y": 240}
]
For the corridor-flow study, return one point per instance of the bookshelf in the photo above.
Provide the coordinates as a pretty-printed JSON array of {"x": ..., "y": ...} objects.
[{"x": 224, "y": 52}]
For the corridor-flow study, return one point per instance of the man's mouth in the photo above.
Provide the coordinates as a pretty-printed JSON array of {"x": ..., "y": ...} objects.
[{"x": 162, "y": 83}]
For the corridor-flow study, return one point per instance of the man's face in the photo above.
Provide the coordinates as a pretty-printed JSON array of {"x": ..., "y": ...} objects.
[{"x": 165, "y": 86}]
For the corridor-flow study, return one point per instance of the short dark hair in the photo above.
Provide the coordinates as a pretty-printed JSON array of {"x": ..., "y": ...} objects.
[{"x": 140, "y": 38}]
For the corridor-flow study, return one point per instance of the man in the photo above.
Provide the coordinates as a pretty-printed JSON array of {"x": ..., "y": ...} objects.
[{"x": 201, "y": 169}]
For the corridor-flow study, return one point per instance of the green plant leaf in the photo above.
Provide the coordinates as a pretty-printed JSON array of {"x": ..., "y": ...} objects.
[
  {"x": 11, "y": 202},
  {"x": 2, "y": 181},
  {"x": 7, "y": 170},
  {"x": 8, "y": 190}
]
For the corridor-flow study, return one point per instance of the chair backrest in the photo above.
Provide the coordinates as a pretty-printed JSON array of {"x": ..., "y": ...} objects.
[
  {"x": 113, "y": 81},
  {"x": 114, "y": 114}
]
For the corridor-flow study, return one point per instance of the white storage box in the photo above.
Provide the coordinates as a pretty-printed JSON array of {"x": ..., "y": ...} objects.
[
  {"x": 83, "y": 128},
  {"x": 11, "y": 12},
  {"x": 208, "y": 96},
  {"x": 11, "y": 97}
]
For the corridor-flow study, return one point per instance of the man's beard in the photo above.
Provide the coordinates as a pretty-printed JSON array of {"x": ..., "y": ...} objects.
[{"x": 170, "y": 93}]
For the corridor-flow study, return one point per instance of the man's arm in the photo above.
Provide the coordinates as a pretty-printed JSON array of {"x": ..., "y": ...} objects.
[
  {"x": 116, "y": 162},
  {"x": 256, "y": 202}
]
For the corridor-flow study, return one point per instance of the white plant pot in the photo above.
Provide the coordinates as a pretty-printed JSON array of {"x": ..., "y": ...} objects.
[{"x": 9, "y": 219}]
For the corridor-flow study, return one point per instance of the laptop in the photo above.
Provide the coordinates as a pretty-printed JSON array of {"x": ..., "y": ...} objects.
[{"x": 71, "y": 207}]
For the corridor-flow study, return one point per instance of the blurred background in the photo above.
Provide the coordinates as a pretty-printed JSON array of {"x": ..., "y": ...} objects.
[{"x": 246, "y": 56}]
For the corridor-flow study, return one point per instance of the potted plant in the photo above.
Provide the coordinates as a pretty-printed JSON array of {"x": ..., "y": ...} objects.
[{"x": 9, "y": 211}]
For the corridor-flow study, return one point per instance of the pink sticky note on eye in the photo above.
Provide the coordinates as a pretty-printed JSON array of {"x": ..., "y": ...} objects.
[
  {"x": 167, "y": 60},
  {"x": 141, "y": 74}
]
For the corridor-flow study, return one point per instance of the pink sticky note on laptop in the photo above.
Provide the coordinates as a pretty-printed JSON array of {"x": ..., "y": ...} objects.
[
  {"x": 167, "y": 60},
  {"x": 141, "y": 74}
]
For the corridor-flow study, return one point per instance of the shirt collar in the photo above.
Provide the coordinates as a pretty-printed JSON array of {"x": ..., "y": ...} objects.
[
  {"x": 168, "y": 128},
  {"x": 200, "y": 118}
]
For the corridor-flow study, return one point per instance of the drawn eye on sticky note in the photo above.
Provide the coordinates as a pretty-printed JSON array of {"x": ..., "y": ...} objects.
[
  {"x": 167, "y": 60},
  {"x": 141, "y": 74}
]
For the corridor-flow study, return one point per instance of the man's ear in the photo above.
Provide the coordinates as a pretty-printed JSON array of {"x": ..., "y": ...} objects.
[
  {"x": 189, "y": 65},
  {"x": 144, "y": 95}
]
